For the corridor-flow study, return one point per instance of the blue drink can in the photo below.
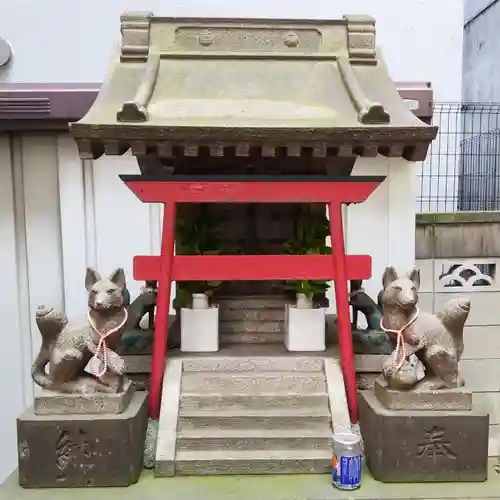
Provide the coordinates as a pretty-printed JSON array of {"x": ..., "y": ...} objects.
[{"x": 347, "y": 461}]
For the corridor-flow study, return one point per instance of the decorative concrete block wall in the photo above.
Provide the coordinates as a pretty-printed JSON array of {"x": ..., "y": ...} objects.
[
  {"x": 459, "y": 254},
  {"x": 480, "y": 363}
]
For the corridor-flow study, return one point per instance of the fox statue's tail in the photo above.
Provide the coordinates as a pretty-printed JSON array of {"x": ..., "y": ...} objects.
[
  {"x": 453, "y": 316},
  {"x": 50, "y": 323}
]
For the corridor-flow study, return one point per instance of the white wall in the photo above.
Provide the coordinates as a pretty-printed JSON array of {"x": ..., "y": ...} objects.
[
  {"x": 71, "y": 41},
  {"x": 384, "y": 225},
  {"x": 68, "y": 41}
]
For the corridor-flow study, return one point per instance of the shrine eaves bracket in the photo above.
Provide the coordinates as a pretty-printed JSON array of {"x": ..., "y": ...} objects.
[{"x": 180, "y": 86}]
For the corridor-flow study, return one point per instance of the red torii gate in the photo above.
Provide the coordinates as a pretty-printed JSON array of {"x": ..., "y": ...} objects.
[{"x": 339, "y": 267}]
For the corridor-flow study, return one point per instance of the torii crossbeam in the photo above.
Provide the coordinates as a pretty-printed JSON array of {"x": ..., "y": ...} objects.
[{"x": 339, "y": 267}]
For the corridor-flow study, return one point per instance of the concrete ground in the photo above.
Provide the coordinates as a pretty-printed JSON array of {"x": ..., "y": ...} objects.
[{"x": 293, "y": 487}]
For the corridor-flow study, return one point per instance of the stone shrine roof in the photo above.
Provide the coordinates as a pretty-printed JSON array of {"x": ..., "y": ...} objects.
[{"x": 183, "y": 84}]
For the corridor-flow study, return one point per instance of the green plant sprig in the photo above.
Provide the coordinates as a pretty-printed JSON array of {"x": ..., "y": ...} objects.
[
  {"x": 310, "y": 239},
  {"x": 195, "y": 235}
]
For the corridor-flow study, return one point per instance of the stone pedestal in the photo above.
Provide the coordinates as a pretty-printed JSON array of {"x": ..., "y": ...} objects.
[
  {"x": 423, "y": 440},
  {"x": 82, "y": 450},
  {"x": 58, "y": 403}
]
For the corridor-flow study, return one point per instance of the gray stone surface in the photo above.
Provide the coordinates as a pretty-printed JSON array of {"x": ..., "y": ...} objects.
[
  {"x": 234, "y": 418},
  {"x": 169, "y": 416},
  {"x": 365, "y": 381},
  {"x": 59, "y": 403},
  {"x": 263, "y": 418},
  {"x": 64, "y": 451},
  {"x": 423, "y": 446},
  {"x": 337, "y": 399},
  {"x": 150, "y": 444},
  {"x": 252, "y": 320},
  {"x": 257, "y": 364},
  {"x": 247, "y": 326},
  {"x": 261, "y": 338},
  {"x": 207, "y": 463},
  {"x": 442, "y": 400},
  {"x": 140, "y": 380},
  {"x": 251, "y": 302},
  {"x": 255, "y": 439},
  {"x": 265, "y": 314},
  {"x": 137, "y": 363},
  {"x": 254, "y": 382},
  {"x": 253, "y": 401}
]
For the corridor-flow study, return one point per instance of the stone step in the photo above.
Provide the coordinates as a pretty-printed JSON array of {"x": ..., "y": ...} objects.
[
  {"x": 245, "y": 401},
  {"x": 200, "y": 463},
  {"x": 280, "y": 418},
  {"x": 251, "y": 302},
  {"x": 251, "y": 327},
  {"x": 251, "y": 338},
  {"x": 256, "y": 364},
  {"x": 253, "y": 383},
  {"x": 254, "y": 439},
  {"x": 265, "y": 314}
]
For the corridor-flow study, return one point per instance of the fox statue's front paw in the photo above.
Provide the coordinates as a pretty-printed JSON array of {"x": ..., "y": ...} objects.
[
  {"x": 403, "y": 377},
  {"x": 119, "y": 366}
]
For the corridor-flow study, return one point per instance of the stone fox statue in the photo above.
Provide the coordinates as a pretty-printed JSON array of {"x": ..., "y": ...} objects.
[
  {"x": 436, "y": 339},
  {"x": 361, "y": 302},
  {"x": 67, "y": 349}
]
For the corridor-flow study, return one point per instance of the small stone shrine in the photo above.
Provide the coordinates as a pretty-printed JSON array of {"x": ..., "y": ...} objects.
[
  {"x": 418, "y": 422},
  {"x": 85, "y": 428},
  {"x": 258, "y": 125}
]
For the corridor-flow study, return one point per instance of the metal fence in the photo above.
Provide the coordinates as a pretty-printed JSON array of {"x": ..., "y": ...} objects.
[{"x": 462, "y": 169}]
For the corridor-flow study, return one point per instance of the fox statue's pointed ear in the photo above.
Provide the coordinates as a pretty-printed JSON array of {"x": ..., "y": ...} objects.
[
  {"x": 118, "y": 277},
  {"x": 91, "y": 278},
  {"x": 389, "y": 276},
  {"x": 414, "y": 275}
]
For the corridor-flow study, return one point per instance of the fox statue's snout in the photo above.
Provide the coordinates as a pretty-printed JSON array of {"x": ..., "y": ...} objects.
[
  {"x": 105, "y": 293},
  {"x": 406, "y": 296}
]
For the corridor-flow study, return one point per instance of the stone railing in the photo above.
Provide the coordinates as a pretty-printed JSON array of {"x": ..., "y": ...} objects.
[{"x": 459, "y": 254}]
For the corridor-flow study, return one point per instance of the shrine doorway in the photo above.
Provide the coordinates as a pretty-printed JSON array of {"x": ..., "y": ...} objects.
[{"x": 254, "y": 229}]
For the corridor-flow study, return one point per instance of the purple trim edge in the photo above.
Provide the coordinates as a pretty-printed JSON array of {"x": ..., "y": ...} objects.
[{"x": 38, "y": 105}]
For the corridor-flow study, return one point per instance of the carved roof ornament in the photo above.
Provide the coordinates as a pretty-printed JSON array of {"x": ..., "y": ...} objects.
[
  {"x": 187, "y": 84},
  {"x": 135, "y": 29}
]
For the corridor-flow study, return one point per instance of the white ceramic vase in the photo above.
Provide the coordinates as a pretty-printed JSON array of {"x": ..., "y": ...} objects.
[
  {"x": 200, "y": 326},
  {"x": 305, "y": 327},
  {"x": 200, "y": 301}
]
